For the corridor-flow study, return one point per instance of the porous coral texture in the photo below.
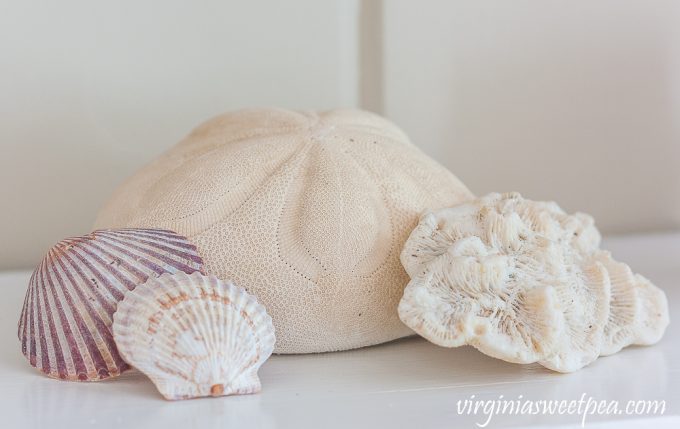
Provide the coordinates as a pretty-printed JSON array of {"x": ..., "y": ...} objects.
[{"x": 524, "y": 282}]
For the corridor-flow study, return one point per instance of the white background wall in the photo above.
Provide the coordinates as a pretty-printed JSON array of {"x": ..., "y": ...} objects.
[{"x": 576, "y": 101}]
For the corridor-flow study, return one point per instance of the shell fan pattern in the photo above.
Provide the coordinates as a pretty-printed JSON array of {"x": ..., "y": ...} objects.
[
  {"x": 65, "y": 324},
  {"x": 194, "y": 335}
]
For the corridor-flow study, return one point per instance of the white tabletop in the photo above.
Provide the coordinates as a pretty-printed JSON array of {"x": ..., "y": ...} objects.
[{"x": 406, "y": 383}]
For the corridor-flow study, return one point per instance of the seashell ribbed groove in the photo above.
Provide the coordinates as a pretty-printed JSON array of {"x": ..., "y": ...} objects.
[
  {"x": 65, "y": 324},
  {"x": 308, "y": 211},
  {"x": 194, "y": 335}
]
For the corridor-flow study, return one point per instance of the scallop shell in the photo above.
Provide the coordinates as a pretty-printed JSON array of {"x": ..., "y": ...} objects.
[
  {"x": 194, "y": 335},
  {"x": 65, "y": 325}
]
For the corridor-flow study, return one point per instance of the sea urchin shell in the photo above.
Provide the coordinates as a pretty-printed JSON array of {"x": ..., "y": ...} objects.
[{"x": 310, "y": 210}]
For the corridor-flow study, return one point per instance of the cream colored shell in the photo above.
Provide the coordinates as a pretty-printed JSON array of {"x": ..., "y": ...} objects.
[
  {"x": 310, "y": 210},
  {"x": 525, "y": 282},
  {"x": 194, "y": 335},
  {"x": 638, "y": 309}
]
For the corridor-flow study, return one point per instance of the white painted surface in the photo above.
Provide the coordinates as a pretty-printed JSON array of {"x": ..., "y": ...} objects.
[{"x": 405, "y": 384}]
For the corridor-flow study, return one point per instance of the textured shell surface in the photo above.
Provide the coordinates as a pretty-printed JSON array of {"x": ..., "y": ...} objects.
[
  {"x": 525, "y": 282},
  {"x": 654, "y": 314},
  {"x": 511, "y": 277},
  {"x": 310, "y": 210},
  {"x": 194, "y": 335},
  {"x": 638, "y": 309},
  {"x": 626, "y": 309},
  {"x": 65, "y": 324}
]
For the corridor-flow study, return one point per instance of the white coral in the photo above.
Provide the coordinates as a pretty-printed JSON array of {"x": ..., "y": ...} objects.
[
  {"x": 638, "y": 309},
  {"x": 524, "y": 282}
]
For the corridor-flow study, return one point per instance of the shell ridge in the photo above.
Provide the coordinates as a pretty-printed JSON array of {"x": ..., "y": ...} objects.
[
  {"x": 129, "y": 320},
  {"x": 71, "y": 360},
  {"x": 74, "y": 263},
  {"x": 119, "y": 262},
  {"x": 654, "y": 318},
  {"x": 91, "y": 323},
  {"x": 624, "y": 306},
  {"x": 167, "y": 235},
  {"x": 207, "y": 335},
  {"x": 24, "y": 323},
  {"x": 152, "y": 296},
  {"x": 105, "y": 272},
  {"x": 158, "y": 268},
  {"x": 182, "y": 249},
  {"x": 100, "y": 275},
  {"x": 55, "y": 354},
  {"x": 32, "y": 350},
  {"x": 42, "y": 344},
  {"x": 583, "y": 346},
  {"x": 65, "y": 325}
]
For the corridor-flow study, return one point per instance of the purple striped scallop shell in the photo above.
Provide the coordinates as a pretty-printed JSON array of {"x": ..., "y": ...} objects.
[{"x": 65, "y": 324}]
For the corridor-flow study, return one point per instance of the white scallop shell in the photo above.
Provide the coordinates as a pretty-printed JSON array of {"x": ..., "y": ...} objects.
[
  {"x": 65, "y": 325},
  {"x": 194, "y": 335}
]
